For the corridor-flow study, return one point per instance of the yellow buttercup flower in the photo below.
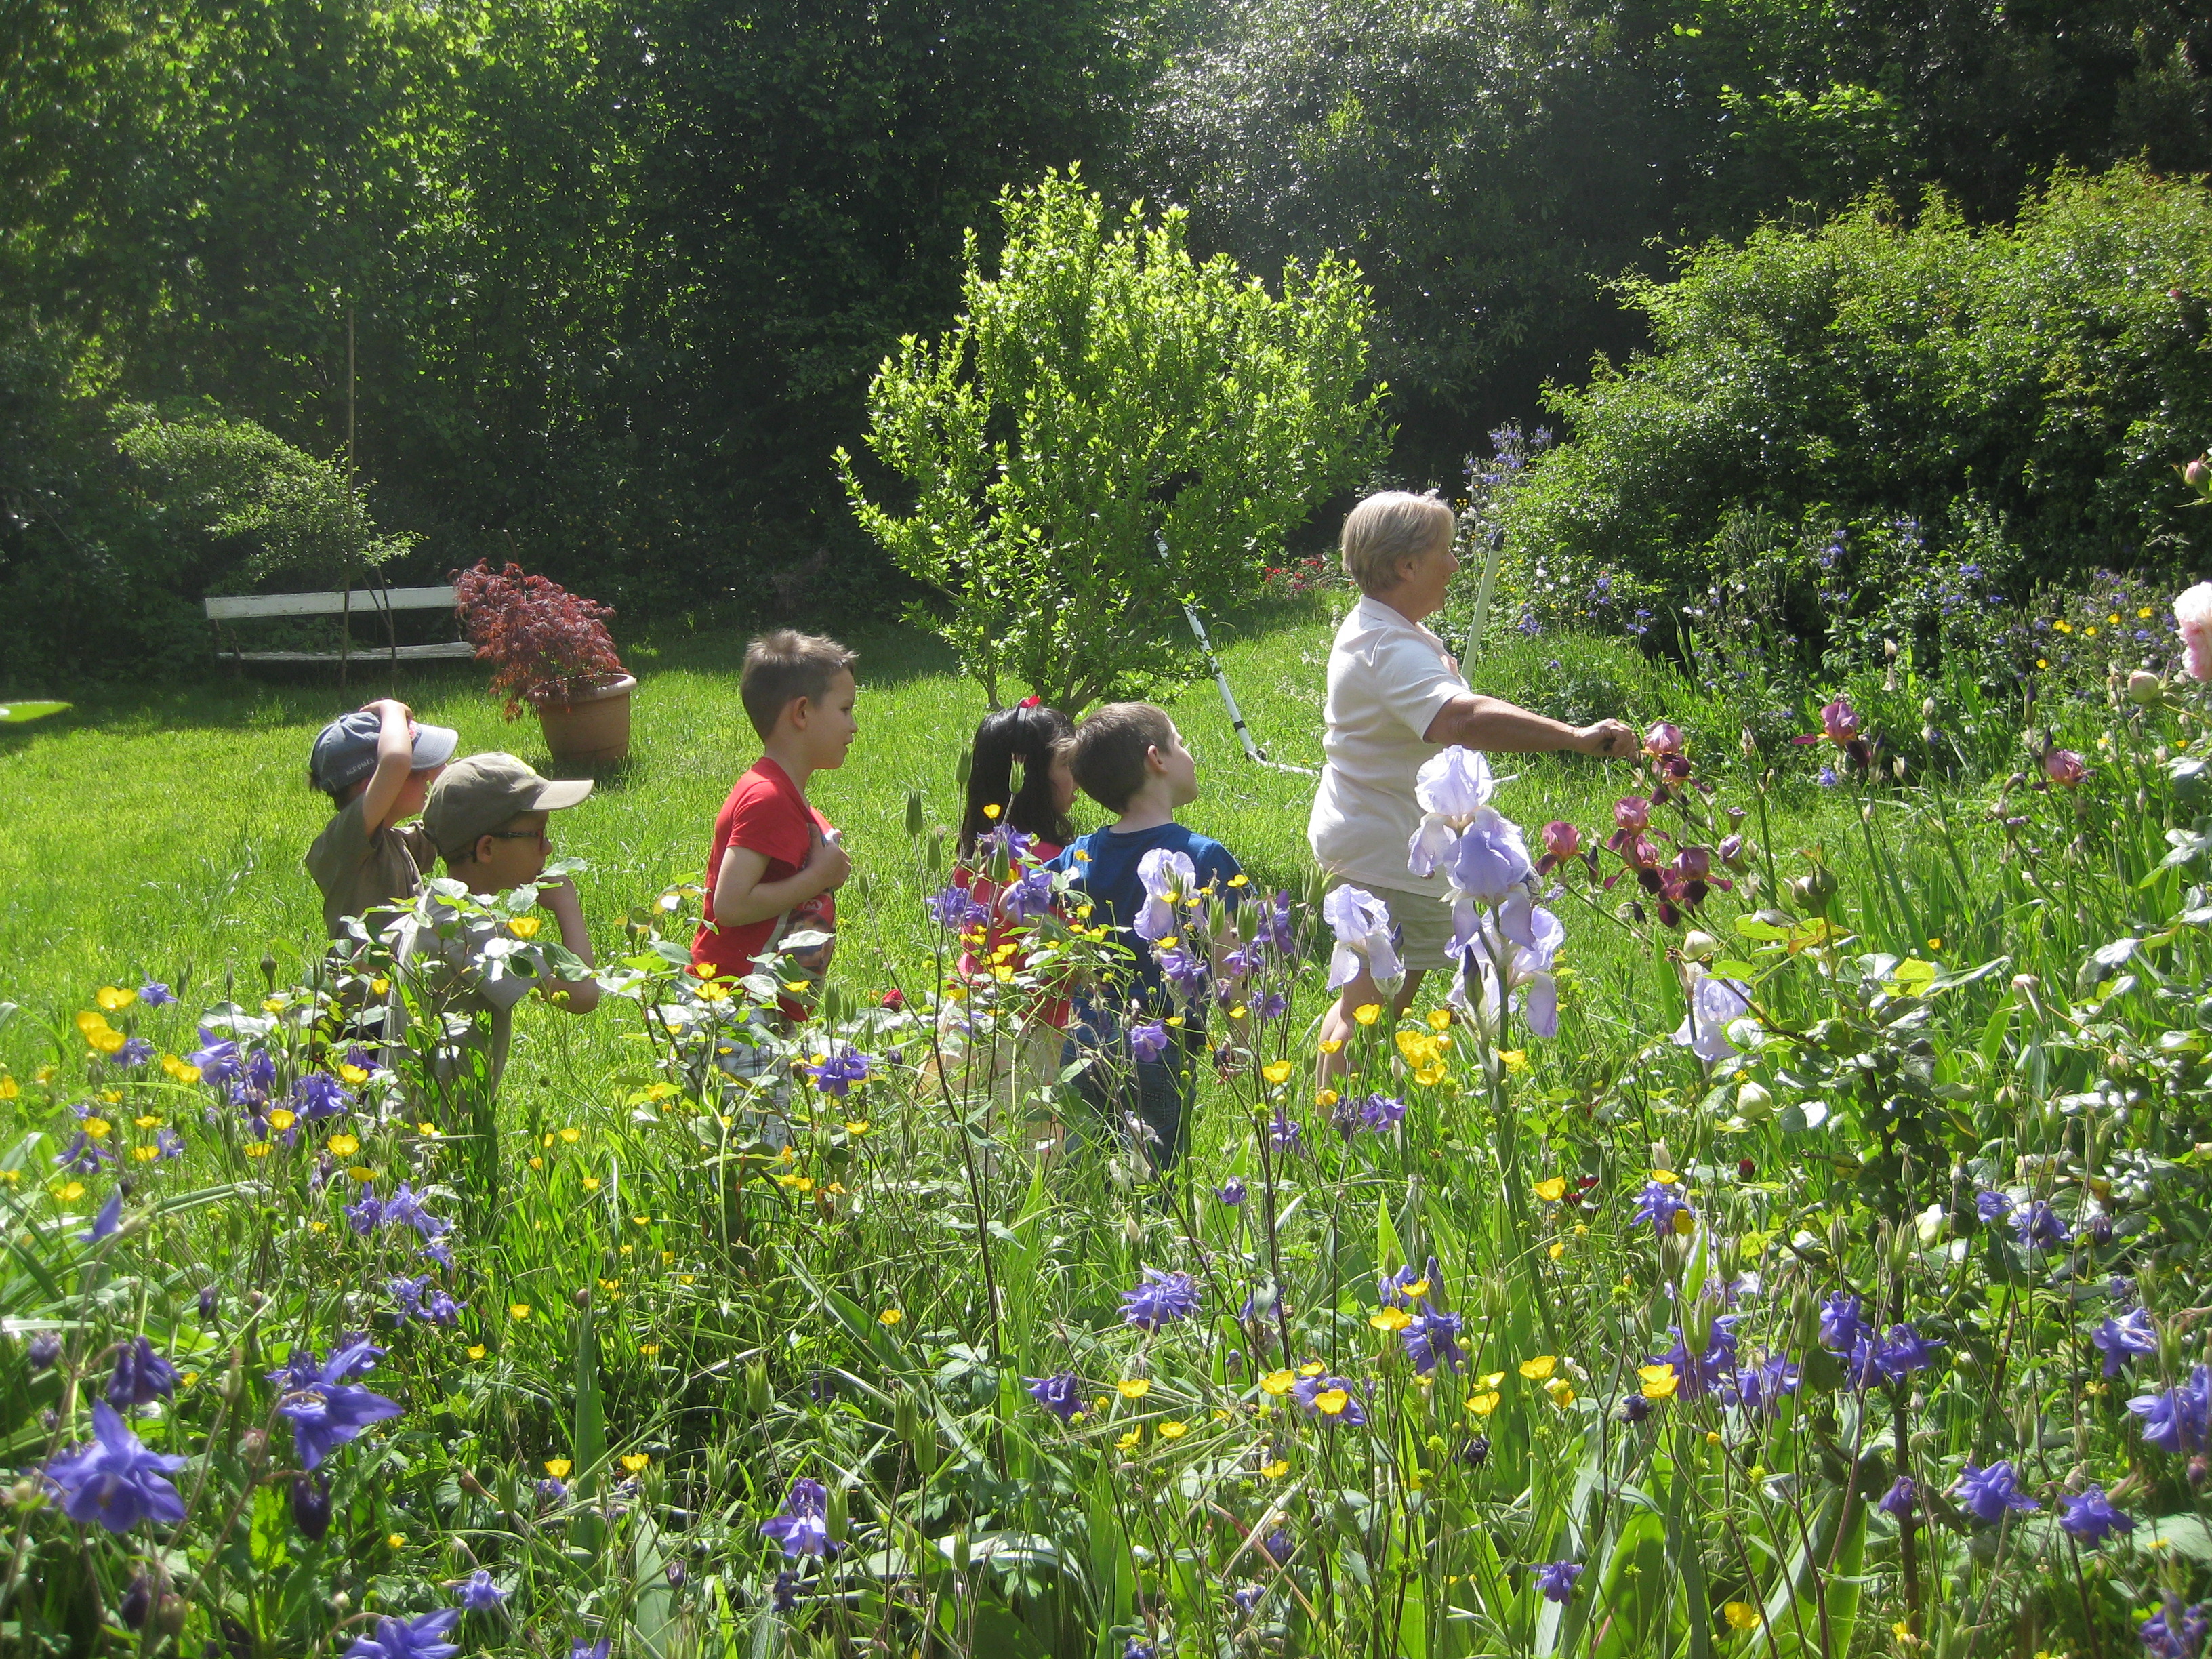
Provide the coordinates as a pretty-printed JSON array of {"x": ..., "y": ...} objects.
[
  {"x": 1483, "y": 1404},
  {"x": 1740, "y": 1615},
  {"x": 991, "y": 810},
  {"x": 476, "y": 1351},
  {"x": 558, "y": 1467},
  {"x": 1276, "y": 1071},
  {"x": 114, "y": 997},
  {"x": 1174, "y": 1431},
  {"x": 1440, "y": 1019},
  {"x": 635, "y": 1461},
  {"x": 147, "y": 1121},
  {"x": 1552, "y": 1190},
  {"x": 571, "y": 1136},
  {"x": 1667, "y": 1177},
  {"x": 1276, "y": 1470},
  {"x": 1390, "y": 1319},
  {"x": 1368, "y": 1012},
  {"x": 282, "y": 1119},
  {"x": 1514, "y": 1059},
  {"x": 148, "y": 1154},
  {"x": 1312, "y": 1368},
  {"x": 397, "y": 1540},
  {"x": 9, "y": 1087},
  {"x": 524, "y": 926},
  {"x": 1562, "y": 1392},
  {"x": 890, "y": 1317},
  {"x": 857, "y": 1127},
  {"x": 71, "y": 1193},
  {"x": 257, "y": 1149},
  {"x": 343, "y": 1146},
  {"x": 1134, "y": 1388},
  {"x": 1277, "y": 1382},
  {"x": 1541, "y": 1367},
  {"x": 1128, "y": 1441},
  {"x": 519, "y": 1311},
  {"x": 1556, "y": 1248},
  {"x": 97, "y": 1128},
  {"x": 352, "y": 1076},
  {"x": 650, "y": 1350},
  {"x": 1431, "y": 1074},
  {"x": 1332, "y": 1045},
  {"x": 107, "y": 1039},
  {"x": 1331, "y": 1402},
  {"x": 1660, "y": 1382},
  {"x": 1326, "y": 1098},
  {"x": 590, "y": 1183}
]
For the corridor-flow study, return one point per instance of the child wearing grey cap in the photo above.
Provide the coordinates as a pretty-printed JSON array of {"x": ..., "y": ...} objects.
[{"x": 377, "y": 765}]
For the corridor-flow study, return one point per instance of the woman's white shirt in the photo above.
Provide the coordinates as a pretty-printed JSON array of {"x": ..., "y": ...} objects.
[{"x": 1388, "y": 680}]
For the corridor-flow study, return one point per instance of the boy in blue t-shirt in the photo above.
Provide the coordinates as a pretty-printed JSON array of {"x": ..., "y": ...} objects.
[{"x": 1129, "y": 758}]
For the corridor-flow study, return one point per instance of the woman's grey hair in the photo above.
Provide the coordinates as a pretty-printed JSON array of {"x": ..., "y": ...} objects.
[{"x": 1387, "y": 527}]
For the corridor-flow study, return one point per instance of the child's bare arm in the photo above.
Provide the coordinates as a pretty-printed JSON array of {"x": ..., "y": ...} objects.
[
  {"x": 395, "y": 759},
  {"x": 559, "y": 896},
  {"x": 741, "y": 898}
]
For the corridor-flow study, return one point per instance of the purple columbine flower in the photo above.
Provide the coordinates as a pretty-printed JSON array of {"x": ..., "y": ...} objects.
[
  {"x": 1431, "y": 1338},
  {"x": 955, "y": 910},
  {"x": 579, "y": 1649},
  {"x": 422, "y": 1637},
  {"x": 168, "y": 1144},
  {"x": 1160, "y": 1299},
  {"x": 142, "y": 1375},
  {"x": 2175, "y": 1632},
  {"x": 1149, "y": 1041},
  {"x": 1902, "y": 1353},
  {"x": 835, "y": 1074},
  {"x": 1391, "y": 1290},
  {"x": 479, "y": 1593},
  {"x": 154, "y": 995},
  {"x": 135, "y": 1052},
  {"x": 217, "y": 1058},
  {"x": 1289, "y": 1136},
  {"x": 1185, "y": 971},
  {"x": 1060, "y": 1393},
  {"x": 1901, "y": 1500},
  {"x": 113, "y": 1478},
  {"x": 2120, "y": 1339},
  {"x": 2176, "y": 1419},
  {"x": 1269, "y": 1006},
  {"x": 1309, "y": 1392},
  {"x": 325, "y": 1407},
  {"x": 1275, "y": 931},
  {"x": 1381, "y": 1113},
  {"x": 1840, "y": 1324},
  {"x": 1137, "y": 1648},
  {"x": 2037, "y": 1227},
  {"x": 1991, "y": 1206},
  {"x": 1232, "y": 1192},
  {"x": 1028, "y": 898},
  {"x": 83, "y": 1156},
  {"x": 2092, "y": 1518},
  {"x": 368, "y": 1215},
  {"x": 1712, "y": 1372},
  {"x": 803, "y": 1527},
  {"x": 1761, "y": 1386},
  {"x": 319, "y": 1095},
  {"x": 104, "y": 1224},
  {"x": 1556, "y": 1579},
  {"x": 1987, "y": 1493},
  {"x": 1659, "y": 1203}
]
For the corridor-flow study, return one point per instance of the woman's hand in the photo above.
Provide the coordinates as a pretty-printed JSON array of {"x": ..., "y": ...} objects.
[{"x": 1608, "y": 739}]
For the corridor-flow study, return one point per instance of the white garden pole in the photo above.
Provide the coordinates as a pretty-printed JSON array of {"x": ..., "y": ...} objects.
[
  {"x": 1474, "y": 630},
  {"x": 1252, "y": 751}
]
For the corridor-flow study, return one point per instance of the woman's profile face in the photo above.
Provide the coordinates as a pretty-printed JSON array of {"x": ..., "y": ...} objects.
[{"x": 1422, "y": 581}]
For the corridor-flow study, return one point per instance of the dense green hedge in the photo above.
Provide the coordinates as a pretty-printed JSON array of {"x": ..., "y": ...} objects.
[{"x": 1891, "y": 399}]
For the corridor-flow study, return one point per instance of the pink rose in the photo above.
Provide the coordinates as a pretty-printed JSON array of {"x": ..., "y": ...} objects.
[{"x": 2193, "y": 611}]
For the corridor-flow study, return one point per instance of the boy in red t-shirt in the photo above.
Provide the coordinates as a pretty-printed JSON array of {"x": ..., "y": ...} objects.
[{"x": 775, "y": 864}]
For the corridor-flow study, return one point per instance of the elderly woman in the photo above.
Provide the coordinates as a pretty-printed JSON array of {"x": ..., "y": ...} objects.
[{"x": 1396, "y": 697}]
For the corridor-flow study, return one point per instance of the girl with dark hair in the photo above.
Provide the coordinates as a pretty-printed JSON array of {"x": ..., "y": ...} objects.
[
  {"x": 1019, "y": 789},
  {"x": 1028, "y": 736}
]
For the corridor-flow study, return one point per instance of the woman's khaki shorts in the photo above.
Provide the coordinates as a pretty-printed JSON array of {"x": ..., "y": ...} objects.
[{"x": 1423, "y": 921}]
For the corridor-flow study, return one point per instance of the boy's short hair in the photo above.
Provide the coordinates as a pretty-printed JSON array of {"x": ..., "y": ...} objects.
[
  {"x": 1387, "y": 527},
  {"x": 787, "y": 664},
  {"x": 1107, "y": 753}
]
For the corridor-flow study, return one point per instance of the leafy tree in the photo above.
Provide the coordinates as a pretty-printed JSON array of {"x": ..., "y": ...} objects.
[{"x": 1105, "y": 389}]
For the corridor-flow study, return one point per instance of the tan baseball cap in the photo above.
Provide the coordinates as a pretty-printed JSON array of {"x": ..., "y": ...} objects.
[{"x": 474, "y": 796}]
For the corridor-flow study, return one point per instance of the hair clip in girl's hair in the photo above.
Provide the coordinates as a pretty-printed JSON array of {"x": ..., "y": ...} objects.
[{"x": 1030, "y": 702}]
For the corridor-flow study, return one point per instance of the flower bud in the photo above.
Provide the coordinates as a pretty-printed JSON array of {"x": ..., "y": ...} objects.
[
  {"x": 936, "y": 848},
  {"x": 210, "y": 1300},
  {"x": 253, "y": 1447},
  {"x": 1731, "y": 852},
  {"x": 2145, "y": 688},
  {"x": 840, "y": 1513},
  {"x": 43, "y": 1349},
  {"x": 1756, "y": 1105},
  {"x": 913, "y": 823},
  {"x": 757, "y": 1396},
  {"x": 675, "y": 1575},
  {"x": 962, "y": 1557},
  {"x": 1698, "y": 945},
  {"x": 1750, "y": 745},
  {"x": 1928, "y": 708},
  {"x": 137, "y": 1603},
  {"x": 311, "y": 1507},
  {"x": 2196, "y": 475},
  {"x": 169, "y": 1615},
  {"x": 906, "y": 1416}
]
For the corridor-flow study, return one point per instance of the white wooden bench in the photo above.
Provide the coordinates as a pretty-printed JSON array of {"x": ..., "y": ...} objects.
[{"x": 372, "y": 601}]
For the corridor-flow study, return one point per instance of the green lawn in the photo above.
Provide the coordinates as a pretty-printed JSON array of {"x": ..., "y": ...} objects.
[{"x": 162, "y": 834}]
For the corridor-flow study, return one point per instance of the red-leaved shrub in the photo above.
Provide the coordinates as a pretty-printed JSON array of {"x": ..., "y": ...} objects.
[{"x": 546, "y": 644}]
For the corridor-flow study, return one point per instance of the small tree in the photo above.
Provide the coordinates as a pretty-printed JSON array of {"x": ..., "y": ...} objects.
[{"x": 1102, "y": 391}]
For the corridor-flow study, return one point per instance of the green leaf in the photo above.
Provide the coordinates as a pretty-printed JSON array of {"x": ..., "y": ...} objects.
[{"x": 19, "y": 713}]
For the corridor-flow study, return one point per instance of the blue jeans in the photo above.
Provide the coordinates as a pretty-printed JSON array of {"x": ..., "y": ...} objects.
[{"x": 1144, "y": 1101}]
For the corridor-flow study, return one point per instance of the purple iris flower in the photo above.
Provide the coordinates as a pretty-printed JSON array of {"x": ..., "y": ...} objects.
[
  {"x": 1900, "y": 1501},
  {"x": 1149, "y": 1041},
  {"x": 1308, "y": 1391},
  {"x": 1170, "y": 879},
  {"x": 1987, "y": 1493},
  {"x": 1556, "y": 1579},
  {"x": 1840, "y": 1324},
  {"x": 1431, "y": 1338},
  {"x": 1490, "y": 860},
  {"x": 2092, "y": 1518},
  {"x": 104, "y": 1224},
  {"x": 113, "y": 1479},
  {"x": 319, "y": 1095},
  {"x": 420, "y": 1638},
  {"x": 955, "y": 910},
  {"x": 1232, "y": 1192},
  {"x": 835, "y": 1074},
  {"x": 325, "y": 1408},
  {"x": 1991, "y": 1206},
  {"x": 2120, "y": 1339},
  {"x": 154, "y": 995},
  {"x": 1059, "y": 1394},
  {"x": 803, "y": 1527},
  {"x": 216, "y": 1057},
  {"x": 1160, "y": 1299},
  {"x": 2176, "y": 1419},
  {"x": 479, "y": 1593},
  {"x": 1290, "y": 1137},
  {"x": 1381, "y": 1113},
  {"x": 1659, "y": 1203},
  {"x": 1715, "y": 1004},
  {"x": 2175, "y": 1632},
  {"x": 2038, "y": 1228},
  {"x": 135, "y": 1051},
  {"x": 142, "y": 1375}
]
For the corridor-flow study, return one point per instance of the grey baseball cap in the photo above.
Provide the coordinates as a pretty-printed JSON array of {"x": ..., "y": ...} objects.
[
  {"x": 474, "y": 796},
  {"x": 345, "y": 750}
]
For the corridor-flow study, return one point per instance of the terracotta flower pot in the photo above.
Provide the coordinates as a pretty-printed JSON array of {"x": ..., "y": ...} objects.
[{"x": 588, "y": 728}]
